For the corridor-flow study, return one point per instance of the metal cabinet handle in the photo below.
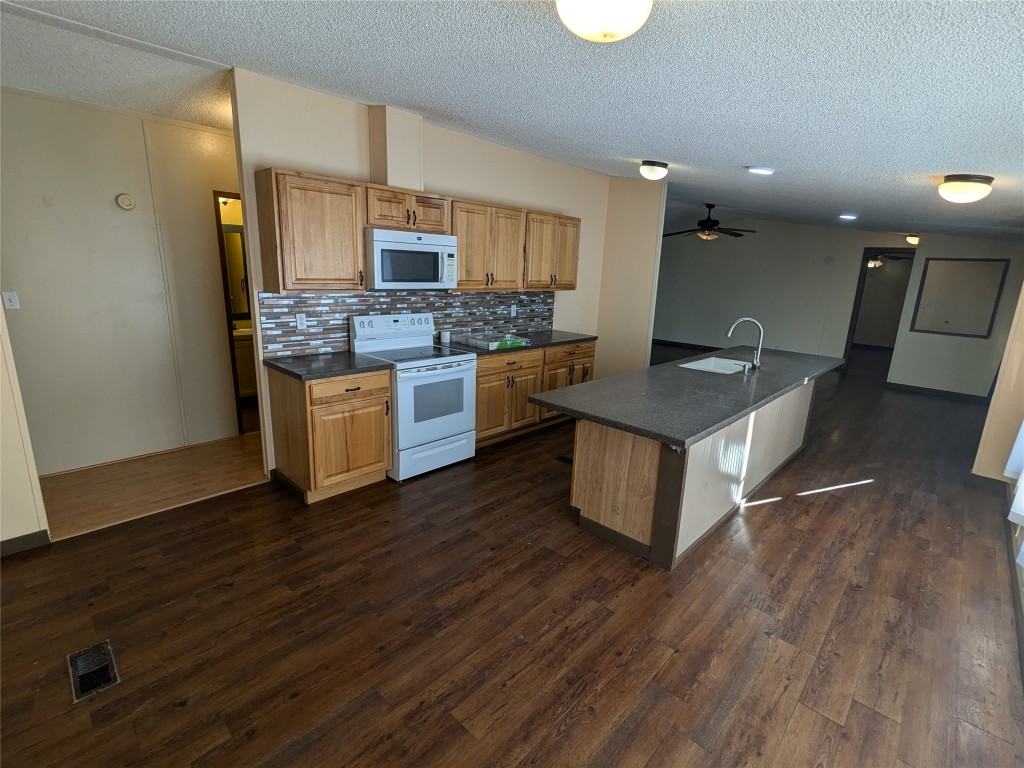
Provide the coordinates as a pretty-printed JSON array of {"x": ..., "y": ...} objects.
[
  {"x": 408, "y": 215},
  {"x": 513, "y": 377},
  {"x": 414, "y": 218},
  {"x": 586, "y": 374},
  {"x": 508, "y": 382},
  {"x": 387, "y": 407},
  {"x": 353, "y": 389},
  {"x": 510, "y": 362},
  {"x": 360, "y": 278},
  {"x": 572, "y": 369},
  {"x": 573, "y": 352}
]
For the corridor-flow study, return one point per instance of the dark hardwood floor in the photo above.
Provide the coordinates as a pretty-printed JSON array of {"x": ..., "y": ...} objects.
[{"x": 462, "y": 619}]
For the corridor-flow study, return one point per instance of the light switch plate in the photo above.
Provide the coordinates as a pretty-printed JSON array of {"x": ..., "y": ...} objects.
[
  {"x": 513, "y": 310},
  {"x": 11, "y": 300},
  {"x": 300, "y": 320}
]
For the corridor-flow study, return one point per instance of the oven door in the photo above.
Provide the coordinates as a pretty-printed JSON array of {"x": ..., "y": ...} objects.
[
  {"x": 406, "y": 266},
  {"x": 434, "y": 402}
]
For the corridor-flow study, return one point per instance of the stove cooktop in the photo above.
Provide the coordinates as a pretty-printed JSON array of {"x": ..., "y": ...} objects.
[{"x": 403, "y": 358}]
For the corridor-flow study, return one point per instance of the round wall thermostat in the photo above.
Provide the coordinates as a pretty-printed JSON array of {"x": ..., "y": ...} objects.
[{"x": 125, "y": 201}]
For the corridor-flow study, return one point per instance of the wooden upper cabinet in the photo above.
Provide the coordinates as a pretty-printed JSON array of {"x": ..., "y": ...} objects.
[
  {"x": 491, "y": 243},
  {"x": 392, "y": 208},
  {"x": 311, "y": 231},
  {"x": 541, "y": 238},
  {"x": 471, "y": 225},
  {"x": 567, "y": 252},
  {"x": 508, "y": 238}
]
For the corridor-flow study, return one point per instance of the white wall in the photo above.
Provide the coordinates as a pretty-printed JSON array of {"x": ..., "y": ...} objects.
[
  {"x": 464, "y": 166},
  {"x": 629, "y": 276},
  {"x": 885, "y": 288},
  {"x": 100, "y": 300},
  {"x": 953, "y": 363},
  {"x": 799, "y": 281},
  {"x": 21, "y": 501}
]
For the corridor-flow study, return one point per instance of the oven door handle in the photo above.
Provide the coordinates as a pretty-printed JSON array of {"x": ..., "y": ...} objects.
[{"x": 435, "y": 371}]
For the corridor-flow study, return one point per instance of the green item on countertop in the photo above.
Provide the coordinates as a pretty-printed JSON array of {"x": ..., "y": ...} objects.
[{"x": 512, "y": 343}]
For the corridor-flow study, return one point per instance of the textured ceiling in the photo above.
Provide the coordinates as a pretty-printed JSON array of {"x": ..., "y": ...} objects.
[{"x": 861, "y": 106}]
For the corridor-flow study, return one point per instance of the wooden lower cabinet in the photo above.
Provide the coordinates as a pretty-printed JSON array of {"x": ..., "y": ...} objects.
[
  {"x": 567, "y": 365},
  {"x": 504, "y": 384},
  {"x": 331, "y": 435}
]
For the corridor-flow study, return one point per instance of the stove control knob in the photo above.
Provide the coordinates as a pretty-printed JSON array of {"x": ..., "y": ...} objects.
[
  {"x": 362, "y": 323},
  {"x": 371, "y": 323}
]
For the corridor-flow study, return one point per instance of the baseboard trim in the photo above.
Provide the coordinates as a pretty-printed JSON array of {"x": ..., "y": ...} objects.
[
  {"x": 936, "y": 392},
  {"x": 612, "y": 536},
  {"x": 22, "y": 543}
]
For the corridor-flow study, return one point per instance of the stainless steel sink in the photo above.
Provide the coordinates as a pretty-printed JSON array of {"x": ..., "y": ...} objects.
[{"x": 716, "y": 365}]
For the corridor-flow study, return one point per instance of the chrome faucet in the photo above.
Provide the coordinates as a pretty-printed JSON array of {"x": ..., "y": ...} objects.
[{"x": 760, "y": 337}]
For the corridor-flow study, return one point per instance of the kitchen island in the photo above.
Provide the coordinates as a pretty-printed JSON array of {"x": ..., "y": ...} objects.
[{"x": 664, "y": 454}]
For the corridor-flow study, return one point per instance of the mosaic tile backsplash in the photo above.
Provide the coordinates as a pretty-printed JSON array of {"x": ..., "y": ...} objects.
[{"x": 327, "y": 315}]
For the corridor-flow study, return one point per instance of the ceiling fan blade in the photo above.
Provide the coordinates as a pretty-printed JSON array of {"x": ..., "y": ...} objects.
[
  {"x": 728, "y": 232},
  {"x": 752, "y": 231},
  {"x": 681, "y": 232}
]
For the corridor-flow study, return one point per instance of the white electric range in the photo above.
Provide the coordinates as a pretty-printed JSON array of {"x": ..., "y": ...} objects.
[{"x": 433, "y": 388}]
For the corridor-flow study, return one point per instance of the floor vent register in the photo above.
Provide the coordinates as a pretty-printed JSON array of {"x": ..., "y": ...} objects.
[{"x": 92, "y": 670}]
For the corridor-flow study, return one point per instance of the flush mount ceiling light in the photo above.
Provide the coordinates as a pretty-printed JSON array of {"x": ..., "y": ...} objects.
[
  {"x": 848, "y": 216},
  {"x": 913, "y": 239},
  {"x": 603, "y": 21},
  {"x": 965, "y": 187},
  {"x": 653, "y": 169},
  {"x": 760, "y": 170},
  {"x": 707, "y": 235}
]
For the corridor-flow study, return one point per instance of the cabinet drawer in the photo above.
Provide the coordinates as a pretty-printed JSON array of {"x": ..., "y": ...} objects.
[
  {"x": 348, "y": 388},
  {"x": 569, "y": 352},
  {"x": 509, "y": 361}
]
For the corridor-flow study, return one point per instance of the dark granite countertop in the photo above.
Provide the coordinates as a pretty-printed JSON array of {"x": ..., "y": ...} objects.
[
  {"x": 537, "y": 339},
  {"x": 680, "y": 406},
  {"x": 326, "y": 366}
]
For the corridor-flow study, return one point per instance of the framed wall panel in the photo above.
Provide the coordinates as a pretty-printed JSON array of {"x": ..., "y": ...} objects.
[{"x": 959, "y": 297}]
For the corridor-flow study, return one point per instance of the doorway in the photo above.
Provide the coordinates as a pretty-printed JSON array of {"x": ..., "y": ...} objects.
[
  {"x": 235, "y": 276},
  {"x": 877, "y": 308}
]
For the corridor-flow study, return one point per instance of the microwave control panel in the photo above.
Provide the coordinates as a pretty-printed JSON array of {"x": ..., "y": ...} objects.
[{"x": 451, "y": 269}]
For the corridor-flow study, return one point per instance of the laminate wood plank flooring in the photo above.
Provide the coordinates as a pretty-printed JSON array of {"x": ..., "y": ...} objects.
[
  {"x": 463, "y": 619},
  {"x": 85, "y": 500}
]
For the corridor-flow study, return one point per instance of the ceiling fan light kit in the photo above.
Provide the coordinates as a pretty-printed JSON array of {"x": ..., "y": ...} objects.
[
  {"x": 913, "y": 239},
  {"x": 709, "y": 229},
  {"x": 603, "y": 21},
  {"x": 965, "y": 187},
  {"x": 653, "y": 169}
]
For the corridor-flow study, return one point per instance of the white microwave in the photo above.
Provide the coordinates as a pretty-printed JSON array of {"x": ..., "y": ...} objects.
[{"x": 397, "y": 260}]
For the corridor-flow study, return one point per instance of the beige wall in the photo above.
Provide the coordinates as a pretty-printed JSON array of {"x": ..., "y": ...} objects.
[
  {"x": 629, "y": 278},
  {"x": 799, "y": 281},
  {"x": 21, "y": 501},
  {"x": 952, "y": 363},
  {"x": 1006, "y": 411},
  {"x": 278, "y": 125},
  {"x": 464, "y": 166},
  {"x": 112, "y": 299},
  {"x": 186, "y": 166}
]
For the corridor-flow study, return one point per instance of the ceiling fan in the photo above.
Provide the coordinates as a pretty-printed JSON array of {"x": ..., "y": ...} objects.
[{"x": 708, "y": 229}]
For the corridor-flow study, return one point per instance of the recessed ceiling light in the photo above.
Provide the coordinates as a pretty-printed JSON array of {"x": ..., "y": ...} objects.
[
  {"x": 653, "y": 169},
  {"x": 760, "y": 170},
  {"x": 965, "y": 187},
  {"x": 847, "y": 216}
]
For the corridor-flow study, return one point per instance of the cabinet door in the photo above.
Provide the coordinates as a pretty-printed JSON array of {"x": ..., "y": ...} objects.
[
  {"x": 388, "y": 208},
  {"x": 350, "y": 439},
  {"x": 567, "y": 252},
  {"x": 541, "y": 236},
  {"x": 508, "y": 239},
  {"x": 471, "y": 225},
  {"x": 321, "y": 233},
  {"x": 521, "y": 412},
  {"x": 430, "y": 214},
  {"x": 555, "y": 377},
  {"x": 491, "y": 392},
  {"x": 584, "y": 370}
]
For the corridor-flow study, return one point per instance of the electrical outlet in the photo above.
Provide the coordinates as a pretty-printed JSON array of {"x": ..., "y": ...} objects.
[
  {"x": 513, "y": 310},
  {"x": 11, "y": 300},
  {"x": 300, "y": 321}
]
